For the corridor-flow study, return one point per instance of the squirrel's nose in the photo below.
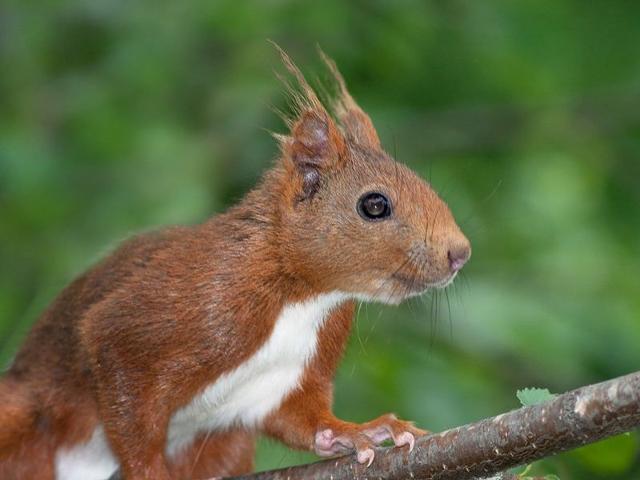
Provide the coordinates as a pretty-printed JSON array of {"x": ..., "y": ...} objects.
[{"x": 459, "y": 252}]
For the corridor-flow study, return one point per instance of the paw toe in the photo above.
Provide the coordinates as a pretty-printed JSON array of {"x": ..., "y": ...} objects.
[
  {"x": 405, "y": 438},
  {"x": 324, "y": 439},
  {"x": 366, "y": 456}
]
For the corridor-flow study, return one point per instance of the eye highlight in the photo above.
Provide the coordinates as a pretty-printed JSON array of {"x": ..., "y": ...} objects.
[{"x": 374, "y": 206}]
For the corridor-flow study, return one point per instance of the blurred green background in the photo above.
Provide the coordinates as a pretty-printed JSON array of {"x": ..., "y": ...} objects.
[{"x": 116, "y": 117}]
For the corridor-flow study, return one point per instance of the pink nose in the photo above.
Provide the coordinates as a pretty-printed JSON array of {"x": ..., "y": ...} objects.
[{"x": 458, "y": 255}]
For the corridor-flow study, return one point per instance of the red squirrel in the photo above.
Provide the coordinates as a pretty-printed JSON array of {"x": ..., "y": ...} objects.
[{"x": 168, "y": 357}]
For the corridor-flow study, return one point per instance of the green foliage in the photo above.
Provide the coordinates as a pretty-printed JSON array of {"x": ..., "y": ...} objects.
[
  {"x": 533, "y": 396},
  {"x": 118, "y": 117},
  {"x": 611, "y": 457}
]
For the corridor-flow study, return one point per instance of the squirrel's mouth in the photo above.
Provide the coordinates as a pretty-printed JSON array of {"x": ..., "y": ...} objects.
[
  {"x": 410, "y": 282},
  {"x": 400, "y": 286},
  {"x": 416, "y": 286},
  {"x": 445, "y": 282}
]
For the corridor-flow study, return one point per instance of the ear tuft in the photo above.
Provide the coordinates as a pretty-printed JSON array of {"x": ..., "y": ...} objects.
[
  {"x": 303, "y": 98},
  {"x": 315, "y": 144},
  {"x": 283, "y": 140},
  {"x": 357, "y": 125}
]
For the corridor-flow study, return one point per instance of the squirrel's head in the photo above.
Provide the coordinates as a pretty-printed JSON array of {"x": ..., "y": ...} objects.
[{"x": 355, "y": 220}]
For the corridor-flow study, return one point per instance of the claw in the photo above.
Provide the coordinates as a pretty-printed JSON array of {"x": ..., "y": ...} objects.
[
  {"x": 345, "y": 437},
  {"x": 366, "y": 456},
  {"x": 405, "y": 438}
]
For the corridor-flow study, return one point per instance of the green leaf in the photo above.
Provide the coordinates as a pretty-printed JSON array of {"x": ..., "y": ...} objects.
[{"x": 534, "y": 396}]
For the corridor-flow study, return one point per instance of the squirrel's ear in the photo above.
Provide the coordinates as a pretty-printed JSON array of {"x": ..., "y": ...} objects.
[
  {"x": 315, "y": 141},
  {"x": 356, "y": 124},
  {"x": 315, "y": 146}
]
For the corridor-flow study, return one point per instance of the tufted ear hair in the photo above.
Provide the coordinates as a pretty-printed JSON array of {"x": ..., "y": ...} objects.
[
  {"x": 315, "y": 139},
  {"x": 315, "y": 144},
  {"x": 356, "y": 124}
]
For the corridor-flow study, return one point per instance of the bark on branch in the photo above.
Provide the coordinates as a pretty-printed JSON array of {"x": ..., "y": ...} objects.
[{"x": 495, "y": 444}]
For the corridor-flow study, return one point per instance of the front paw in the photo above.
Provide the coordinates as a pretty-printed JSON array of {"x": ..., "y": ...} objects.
[
  {"x": 389, "y": 427},
  {"x": 344, "y": 437}
]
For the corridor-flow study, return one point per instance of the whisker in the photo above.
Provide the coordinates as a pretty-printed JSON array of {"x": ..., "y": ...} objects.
[
  {"x": 465, "y": 281},
  {"x": 380, "y": 290},
  {"x": 446, "y": 292},
  {"x": 373, "y": 326},
  {"x": 389, "y": 278},
  {"x": 472, "y": 214},
  {"x": 436, "y": 316},
  {"x": 433, "y": 224},
  {"x": 364, "y": 350},
  {"x": 199, "y": 453}
]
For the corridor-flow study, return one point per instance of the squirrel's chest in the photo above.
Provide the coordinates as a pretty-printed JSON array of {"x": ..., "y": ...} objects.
[{"x": 246, "y": 395}]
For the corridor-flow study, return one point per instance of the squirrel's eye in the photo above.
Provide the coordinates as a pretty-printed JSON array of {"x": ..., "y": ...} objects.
[{"x": 374, "y": 206}]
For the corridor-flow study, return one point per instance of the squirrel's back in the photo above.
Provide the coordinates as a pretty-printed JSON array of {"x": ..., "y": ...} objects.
[{"x": 55, "y": 335}]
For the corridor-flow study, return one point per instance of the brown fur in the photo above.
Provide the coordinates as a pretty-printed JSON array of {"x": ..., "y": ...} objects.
[{"x": 144, "y": 331}]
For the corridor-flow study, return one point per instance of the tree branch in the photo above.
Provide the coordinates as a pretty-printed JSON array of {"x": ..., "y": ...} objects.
[{"x": 495, "y": 444}]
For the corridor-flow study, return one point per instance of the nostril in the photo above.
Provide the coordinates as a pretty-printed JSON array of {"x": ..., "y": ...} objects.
[{"x": 458, "y": 256}]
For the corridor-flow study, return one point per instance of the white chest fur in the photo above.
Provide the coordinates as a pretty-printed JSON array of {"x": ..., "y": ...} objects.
[{"x": 247, "y": 394}]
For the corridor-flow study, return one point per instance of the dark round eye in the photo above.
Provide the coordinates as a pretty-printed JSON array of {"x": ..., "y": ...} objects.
[{"x": 374, "y": 206}]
